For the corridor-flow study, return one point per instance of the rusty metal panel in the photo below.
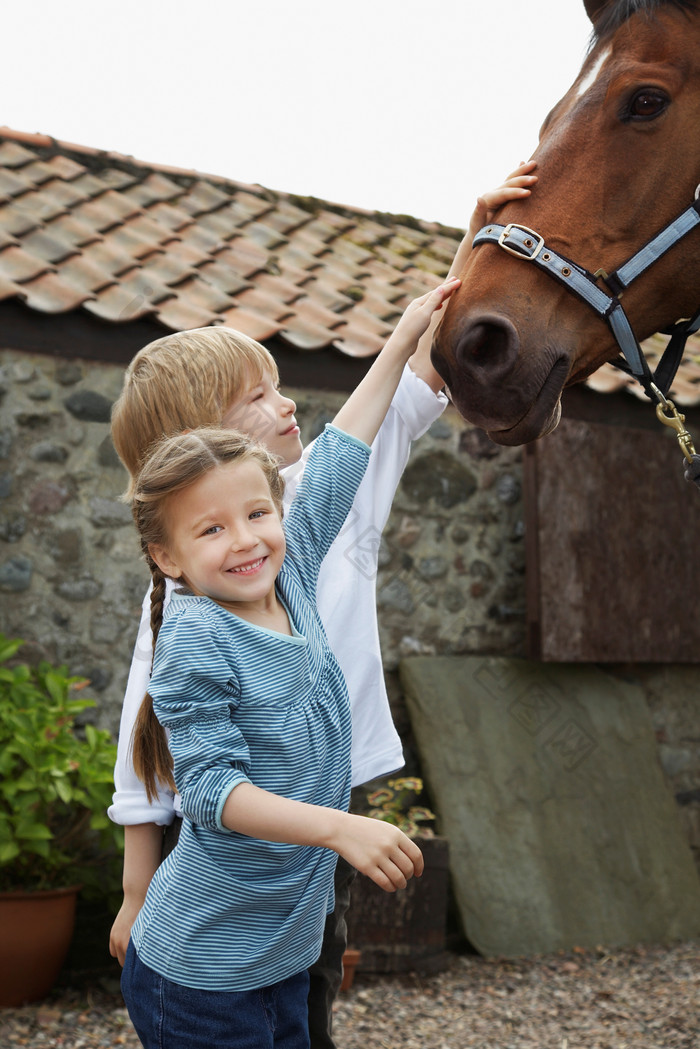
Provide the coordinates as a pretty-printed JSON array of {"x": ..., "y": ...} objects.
[{"x": 612, "y": 547}]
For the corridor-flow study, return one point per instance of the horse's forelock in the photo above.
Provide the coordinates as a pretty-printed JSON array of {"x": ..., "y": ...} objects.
[{"x": 617, "y": 12}]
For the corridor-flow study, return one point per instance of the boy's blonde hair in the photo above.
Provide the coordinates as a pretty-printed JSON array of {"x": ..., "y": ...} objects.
[
  {"x": 180, "y": 382},
  {"x": 173, "y": 465}
]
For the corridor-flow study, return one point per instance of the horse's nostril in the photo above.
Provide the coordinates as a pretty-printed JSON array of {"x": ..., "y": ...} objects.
[{"x": 490, "y": 344}]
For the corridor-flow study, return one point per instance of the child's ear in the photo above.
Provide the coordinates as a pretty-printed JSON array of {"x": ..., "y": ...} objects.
[{"x": 164, "y": 561}]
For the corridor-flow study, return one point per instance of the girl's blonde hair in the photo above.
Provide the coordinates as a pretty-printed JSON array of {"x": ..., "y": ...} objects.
[
  {"x": 173, "y": 465},
  {"x": 182, "y": 381}
]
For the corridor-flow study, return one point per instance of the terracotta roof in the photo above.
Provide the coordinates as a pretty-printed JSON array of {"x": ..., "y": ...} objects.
[{"x": 123, "y": 240}]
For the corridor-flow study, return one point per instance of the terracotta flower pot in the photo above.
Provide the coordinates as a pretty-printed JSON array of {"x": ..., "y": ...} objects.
[
  {"x": 350, "y": 960},
  {"x": 36, "y": 932}
]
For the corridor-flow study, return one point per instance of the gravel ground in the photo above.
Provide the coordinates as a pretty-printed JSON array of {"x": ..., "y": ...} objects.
[{"x": 641, "y": 998}]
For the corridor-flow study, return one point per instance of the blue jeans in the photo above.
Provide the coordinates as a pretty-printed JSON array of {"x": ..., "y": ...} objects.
[{"x": 168, "y": 1015}]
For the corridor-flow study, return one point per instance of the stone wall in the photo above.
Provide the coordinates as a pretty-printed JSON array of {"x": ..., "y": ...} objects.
[{"x": 452, "y": 559}]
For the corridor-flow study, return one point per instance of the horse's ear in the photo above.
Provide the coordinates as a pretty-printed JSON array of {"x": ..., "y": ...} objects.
[{"x": 593, "y": 8}]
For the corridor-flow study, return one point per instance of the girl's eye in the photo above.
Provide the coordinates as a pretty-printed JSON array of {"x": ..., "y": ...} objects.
[
  {"x": 256, "y": 514},
  {"x": 213, "y": 530}
]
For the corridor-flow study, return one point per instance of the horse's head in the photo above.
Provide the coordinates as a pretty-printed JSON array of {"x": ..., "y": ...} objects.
[{"x": 618, "y": 158}]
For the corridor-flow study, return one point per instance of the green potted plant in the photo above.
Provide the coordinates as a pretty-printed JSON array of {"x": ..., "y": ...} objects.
[
  {"x": 405, "y": 930},
  {"x": 55, "y": 838}
]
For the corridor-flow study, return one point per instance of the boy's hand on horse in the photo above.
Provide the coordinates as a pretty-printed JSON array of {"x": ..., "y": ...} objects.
[{"x": 516, "y": 186}]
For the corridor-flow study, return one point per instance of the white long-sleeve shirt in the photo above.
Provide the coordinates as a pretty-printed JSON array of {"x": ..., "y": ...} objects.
[{"x": 346, "y": 603}]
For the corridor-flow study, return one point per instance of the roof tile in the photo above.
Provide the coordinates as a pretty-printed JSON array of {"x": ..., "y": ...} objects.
[
  {"x": 366, "y": 321},
  {"x": 178, "y": 314},
  {"x": 186, "y": 252},
  {"x": 38, "y": 173},
  {"x": 172, "y": 217},
  {"x": 252, "y": 324},
  {"x": 153, "y": 189},
  {"x": 36, "y": 207},
  {"x": 120, "y": 304},
  {"x": 354, "y": 252},
  {"x": 110, "y": 257},
  {"x": 199, "y": 237},
  {"x": 265, "y": 236},
  {"x": 250, "y": 206},
  {"x": 224, "y": 278},
  {"x": 305, "y": 334},
  {"x": 13, "y": 155},
  {"x": 126, "y": 239},
  {"x": 13, "y": 185},
  {"x": 65, "y": 194},
  {"x": 309, "y": 310},
  {"x": 117, "y": 178},
  {"x": 286, "y": 217},
  {"x": 19, "y": 266},
  {"x": 243, "y": 255},
  {"x": 258, "y": 301},
  {"x": 49, "y": 294},
  {"x": 203, "y": 197},
  {"x": 6, "y": 239},
  {"x": 168, "y": 268},
  {"x": 83, "y": 272},
  {"x": 286, "y": 291},
  {"x": 70, "y": 229},
  {"x": 358, "y": 343},
  {"x": 10, "y": 290},
  {"x": 204, "y": 295},
  {"x": 46, "y": 245},
  {"x": 108, "y": 210},
  {"x": 65, "y": 168}
]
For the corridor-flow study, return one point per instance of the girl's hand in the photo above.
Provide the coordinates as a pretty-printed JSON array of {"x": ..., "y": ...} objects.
[
  {"x": 516, "y": 186},
  {"x": 419, "y": 313},
  {"x": 379, "y": 850}
]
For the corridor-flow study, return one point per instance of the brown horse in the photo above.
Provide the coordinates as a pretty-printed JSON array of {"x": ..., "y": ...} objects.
[{"x": 618, "y": 160}]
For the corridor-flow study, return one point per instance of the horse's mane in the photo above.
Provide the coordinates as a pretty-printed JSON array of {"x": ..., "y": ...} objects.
[{"x": 618, "y": 11}]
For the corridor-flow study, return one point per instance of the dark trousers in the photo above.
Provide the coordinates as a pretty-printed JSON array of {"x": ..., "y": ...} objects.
[{"x": 327, "y": 973}]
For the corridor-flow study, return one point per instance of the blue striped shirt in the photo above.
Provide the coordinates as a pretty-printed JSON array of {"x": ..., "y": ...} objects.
[{"x": 225, "y": 911}]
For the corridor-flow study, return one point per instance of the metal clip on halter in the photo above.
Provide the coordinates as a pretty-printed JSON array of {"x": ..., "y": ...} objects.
[{"x": 677, "y": 422}]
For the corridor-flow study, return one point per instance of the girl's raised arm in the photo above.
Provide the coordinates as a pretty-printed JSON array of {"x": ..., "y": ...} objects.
[{"x": 364, "y": 411}]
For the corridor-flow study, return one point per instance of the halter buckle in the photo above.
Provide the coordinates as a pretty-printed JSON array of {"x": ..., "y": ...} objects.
[{"x": 535, "y": 244}]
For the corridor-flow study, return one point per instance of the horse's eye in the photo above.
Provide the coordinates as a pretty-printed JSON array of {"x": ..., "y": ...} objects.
[{"x": 646, "y": 105}]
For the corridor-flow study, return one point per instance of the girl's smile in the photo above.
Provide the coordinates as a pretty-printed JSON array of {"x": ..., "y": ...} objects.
[{"x": 225, "y": 539}]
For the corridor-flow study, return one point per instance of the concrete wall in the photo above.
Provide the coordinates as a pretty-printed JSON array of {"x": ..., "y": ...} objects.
[{"x": 452, "y": 560}]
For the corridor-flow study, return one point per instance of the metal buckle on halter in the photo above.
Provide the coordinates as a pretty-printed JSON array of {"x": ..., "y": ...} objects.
[{"x": 537, "y": 244}]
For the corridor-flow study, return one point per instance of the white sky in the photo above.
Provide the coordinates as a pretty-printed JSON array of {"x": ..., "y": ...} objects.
[{"x": 411, "y": 106}]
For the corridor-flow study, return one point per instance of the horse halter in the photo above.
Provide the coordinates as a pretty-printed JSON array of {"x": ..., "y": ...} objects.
[{"x": 525, "y": 244}]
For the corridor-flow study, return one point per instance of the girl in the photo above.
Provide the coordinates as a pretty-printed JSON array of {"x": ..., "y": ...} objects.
[
  {"x": 217, "y": 377},
  {"x": 259, "y": 722}
]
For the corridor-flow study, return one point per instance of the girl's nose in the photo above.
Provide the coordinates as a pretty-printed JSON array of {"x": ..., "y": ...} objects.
[
  {"x": 288, "y": 405},
  {"x": 242, "y": 538}
]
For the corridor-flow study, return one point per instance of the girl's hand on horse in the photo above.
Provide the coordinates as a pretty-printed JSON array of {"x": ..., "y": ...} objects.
[
  {"x": 516, "y": 186},
  {"x": 418, "y": 314}
]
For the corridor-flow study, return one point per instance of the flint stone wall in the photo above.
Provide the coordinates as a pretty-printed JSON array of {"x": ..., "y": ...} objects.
[{"x": 452, "y": 560}]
